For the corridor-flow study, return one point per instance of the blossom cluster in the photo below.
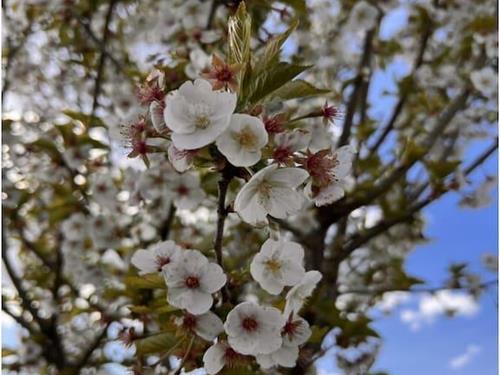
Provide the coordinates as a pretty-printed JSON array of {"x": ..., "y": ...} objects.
[
  {"x": 196, "y": 115},
  {"x": 272, "y": 336}
]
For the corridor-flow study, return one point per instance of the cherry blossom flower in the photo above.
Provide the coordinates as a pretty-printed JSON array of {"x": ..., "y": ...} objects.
[
  {"x": 242, "y": 141},
  {"x": 152, "y": 183},
  {"x": 220, "y": 355},
  {"x": 288, "y": 143},
  {"x": 253, "y": 329},
  {"x": 75, "y": 157},
  {"x": 321, "y": 137},
  {"x": 76, "y": 227},
  {"x": 186, "y": 190},
  {"x": 270, "y": 191},
  {"x": 363, "y": 16},
  {"x": 156, "y": 257},
  {"x": 278, "y": 264},
  {"x": 208, "y": 326},
  {"x": 296, "y": 296},
  {"x": 328, "y": 172},
  {"x": 295, "y": 332},
  {"x": 485, "y": 81},
  {"x": 181, "y": 160},
  {"x": 274, "y": 124},
  {"x": 191, "y": 279},
  {"x": 197, "y": 115},
  {"x": 156, "y": 109},
  {"x": 199, "y": 61},
  {"x": 223, "y": 75},
  {"x": 104, "y": 191}
]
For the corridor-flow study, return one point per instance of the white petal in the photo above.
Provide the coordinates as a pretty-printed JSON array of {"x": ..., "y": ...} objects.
[
  {"x": 265, "y": 361},
  {"x": 285, "y": 202},
  {"x": 213, "y": 278},
  {"x": 269, "y": 343},
  {"x": 200, "y": 138},
  {"x": 247, "y": 345},
  {"x": 286, "y": 356},
  {"x": 213, "y": 359},
  {"x": 290, "y": 177},
  {"x": 176, "y": 114},
  {"x": 296, "y": 296},
  {"x": 293, "y": 273},
  {"x": 329, "y": 194},
  {"x": 145, "y": 261},
  {"x": 156, "y": 113},
  {"x": 208, "y": 326},
  {"x": 302, "y": 334},
  {"x": 193, "y": 300},
  {"x": 250, "y": 211}
]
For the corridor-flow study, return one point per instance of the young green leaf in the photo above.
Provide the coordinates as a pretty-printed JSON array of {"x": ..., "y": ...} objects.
[{"x": 296, "y": 89}]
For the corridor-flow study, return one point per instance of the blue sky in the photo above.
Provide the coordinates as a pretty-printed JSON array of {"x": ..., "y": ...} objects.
[{"x": 459, "y": 235}]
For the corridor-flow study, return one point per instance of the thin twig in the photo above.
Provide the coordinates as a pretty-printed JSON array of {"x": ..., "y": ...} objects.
[{"x": 186, "y": 355}]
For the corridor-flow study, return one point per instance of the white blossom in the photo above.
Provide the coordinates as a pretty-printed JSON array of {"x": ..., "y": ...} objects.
[
  {"x": 363, "y": 16},
  {"x": 270, "y": 191},
  {"x": 295, "y": 333},
  {"x": 156, "y": 113},
  {"x": 156, "y": 257},
  {"x": 198, "y": 61},
  {"x": 253, "y": 329},
  {"x": 296, "y": 296},
  {"x": 242, "y": 141},
  {"x": 181, "y": 160},
  {"x": 104, "y": 191},
  {"x": 335, "y": 172},
  {"x": 278, "y": 264},
  {"x": 76, "y": 227},
  {"x": 485, "y": 81},
  {"x": 219, "y": 355},
  {"x": 191, "y": 279},
  {"x": 186, "y": 190},
  {"x": 208, "y": 326},
  {"x": 197, "y": 115}
]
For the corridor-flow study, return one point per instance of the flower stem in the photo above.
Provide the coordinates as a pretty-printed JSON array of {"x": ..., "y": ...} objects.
[
  {"x": 222, "y": 212},
  {"x": 221, "y": 217}
]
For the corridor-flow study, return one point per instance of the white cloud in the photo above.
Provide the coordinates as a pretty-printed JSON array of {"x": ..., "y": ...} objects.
[
  {"x": 432, "y": 305},
  {"x": 323, "y": 371},
  {"x": 463, "y": 359}
]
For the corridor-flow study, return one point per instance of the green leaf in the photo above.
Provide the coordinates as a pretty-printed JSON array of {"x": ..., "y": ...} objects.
[
  {"x": 239, "y": 38},
  {"x": 149, "y": 281},
  {"x": 440, "y": 169},
  {"x": 48, "y": 147},
  {"x": 297, "y": 89},
  {"x": 298, "y": 5},
  {"x": 412, "y": 152},
  {"x": 141, "y": 309},
  {"x": 271, "y": 79},
  {"x": 155, "y": 344},
  {"x": 240, "y": 32},
  {"x": 318, "y": 333},
  {"x": 273, "y": 48},
  {"x": 87, "y": 120}
]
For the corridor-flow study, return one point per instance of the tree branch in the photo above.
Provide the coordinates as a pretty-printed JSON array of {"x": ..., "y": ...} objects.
[
  {"x": 361, "y": 238},
  {"x": 404, "y": 96},
  {"x": 167, "y": 224},
  {"x": 358, "y": 84},
  {"x": 91, "y": 348},
  {"x": 102, "y": 60},
  {"x": 346, "y": 206}
]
